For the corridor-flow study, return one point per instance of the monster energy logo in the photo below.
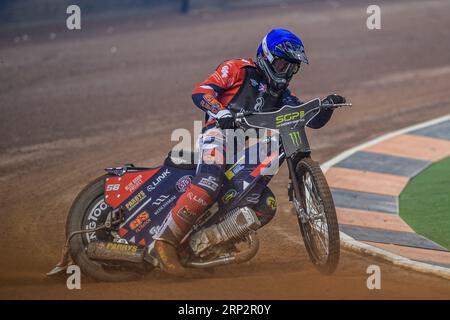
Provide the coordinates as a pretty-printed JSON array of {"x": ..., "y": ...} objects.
[{"x": 295, "y": 137}]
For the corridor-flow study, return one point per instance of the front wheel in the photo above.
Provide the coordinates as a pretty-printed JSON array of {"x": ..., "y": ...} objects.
[{"x": 317, "y": 216}]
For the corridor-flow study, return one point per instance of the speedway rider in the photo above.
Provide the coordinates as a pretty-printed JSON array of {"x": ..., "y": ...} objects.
[{"x": 235, "y": 85}]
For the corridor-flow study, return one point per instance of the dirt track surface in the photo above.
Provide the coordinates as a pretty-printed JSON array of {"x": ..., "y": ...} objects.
[{"x": 70, "y": 107}]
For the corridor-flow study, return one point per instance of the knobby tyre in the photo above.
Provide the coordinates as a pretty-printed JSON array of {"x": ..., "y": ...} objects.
[{"x": 316, "y": 215}]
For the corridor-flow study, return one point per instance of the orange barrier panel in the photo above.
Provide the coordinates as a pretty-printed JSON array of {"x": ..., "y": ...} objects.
[
  {"x": 372, "y": 219},
  {"x": 413, "y": 146},
  {"x": 366, "y": 181}
]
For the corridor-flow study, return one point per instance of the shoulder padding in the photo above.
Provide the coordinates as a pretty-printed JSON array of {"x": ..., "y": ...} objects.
[{"x": 239, "y": 63}]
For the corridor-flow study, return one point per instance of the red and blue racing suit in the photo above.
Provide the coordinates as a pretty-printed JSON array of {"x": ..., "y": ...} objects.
[{"x": 236, "y": 85}]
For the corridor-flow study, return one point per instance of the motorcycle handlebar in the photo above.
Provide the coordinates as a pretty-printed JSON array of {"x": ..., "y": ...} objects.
[
  {"x": 335, "y": 106},
  {"x": 241, "y": 115}
]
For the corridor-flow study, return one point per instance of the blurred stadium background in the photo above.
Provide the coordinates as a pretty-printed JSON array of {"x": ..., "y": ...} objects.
[{"x": 13, "y": 12}]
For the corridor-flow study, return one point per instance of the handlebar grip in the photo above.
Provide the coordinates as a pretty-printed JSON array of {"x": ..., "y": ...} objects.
[
  {"x": 335, "y": 106},
  {"x": 243, "y": 114}
]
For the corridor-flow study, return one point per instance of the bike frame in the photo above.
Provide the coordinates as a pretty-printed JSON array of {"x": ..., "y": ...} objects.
[{"x": 138, "y": 184}]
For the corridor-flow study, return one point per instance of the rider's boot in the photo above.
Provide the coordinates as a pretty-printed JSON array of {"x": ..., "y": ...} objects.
[
  {"x": 165, "y": 249},
  {"x": 181, "y": 218}
]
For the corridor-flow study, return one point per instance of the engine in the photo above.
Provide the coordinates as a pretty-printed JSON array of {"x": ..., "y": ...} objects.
[{"x": 236, "y": 224}]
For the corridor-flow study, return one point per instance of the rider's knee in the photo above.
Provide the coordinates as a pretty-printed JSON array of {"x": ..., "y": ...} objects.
[{"x": 209, "y": 180}]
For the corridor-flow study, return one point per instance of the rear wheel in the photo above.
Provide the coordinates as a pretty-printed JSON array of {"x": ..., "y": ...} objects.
[
  {"x": 90, "y": 211},
  {"x": 317, "y": 216}
]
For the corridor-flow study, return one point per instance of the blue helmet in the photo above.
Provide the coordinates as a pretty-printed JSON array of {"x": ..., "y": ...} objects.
[{"x": 279, "y": 57}]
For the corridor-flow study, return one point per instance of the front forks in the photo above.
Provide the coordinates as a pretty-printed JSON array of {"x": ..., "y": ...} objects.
[{"x": 293, "y": 183}]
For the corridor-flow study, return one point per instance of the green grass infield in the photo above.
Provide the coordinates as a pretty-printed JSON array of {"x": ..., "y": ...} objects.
[{"x": 425, "y": 203}]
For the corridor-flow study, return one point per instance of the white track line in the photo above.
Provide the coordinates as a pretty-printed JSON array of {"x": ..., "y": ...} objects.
[{"x": 354, "y": 245}]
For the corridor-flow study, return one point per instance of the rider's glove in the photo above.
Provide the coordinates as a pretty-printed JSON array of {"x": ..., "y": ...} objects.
[
  {"x": 225, "y": 119},
  {"x": 333, "y": 99}
]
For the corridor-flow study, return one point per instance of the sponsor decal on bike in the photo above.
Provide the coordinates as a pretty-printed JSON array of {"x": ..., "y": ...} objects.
[
  {"x": 158, "y": 180},
  {"x": 112, "y": 187},
  {"x": 289, "y": 117},
  {"x": 229, "y": 195},
  {"x": 209, "y": 183},
  {"x": 271, "y": 202},
  {"x": 164, "y": 205},
  {"x": 92, "y": 219},
  {"x": 140, "y": 222},
  {"x": 235, "y": 169},
  {"x": 193, "y": 197},
  {"x": 264, "y": 165},
  {"x": 253, "y": 198},
  {"x": 183, "y": 183},
  {"x": 97, "y": 211},
  {"x": 134, "y": 184},
  {"x": 295, "y": 138},
  {"x": 154, "y": 230},
  {"x": 135, "y": 200},
  {"x": 121, "y": 189},
  {"x": 160, "y": 200},
  {"x": 120, "y": 247},
  {"x": 185, "y": 215}
]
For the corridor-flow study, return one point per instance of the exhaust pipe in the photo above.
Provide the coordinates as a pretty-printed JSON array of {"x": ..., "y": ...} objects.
[
  {"x": 240, "y": 257},
  {"x": 115, "y": 252},
  {"x": 112, "y": 251}
]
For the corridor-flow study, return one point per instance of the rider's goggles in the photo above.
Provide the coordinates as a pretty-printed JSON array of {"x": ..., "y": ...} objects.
[{"x": 282, "y": 66}]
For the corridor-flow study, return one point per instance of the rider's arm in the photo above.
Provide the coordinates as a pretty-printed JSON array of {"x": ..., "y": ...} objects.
[
  {"x": 207, "y": 100},
  {"x": 318, "y": 121},
  {"x": 321, "y": 119},
  {"x": 206, "y": 95},
  {"x": 289, "y": 99}
]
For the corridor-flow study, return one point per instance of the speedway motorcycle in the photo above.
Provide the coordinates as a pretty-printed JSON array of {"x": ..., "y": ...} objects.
[{"x": 113, "y": 220}]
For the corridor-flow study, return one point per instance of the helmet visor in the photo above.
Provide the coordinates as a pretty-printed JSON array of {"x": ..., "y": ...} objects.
[{"x": 284, "y": 67}]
